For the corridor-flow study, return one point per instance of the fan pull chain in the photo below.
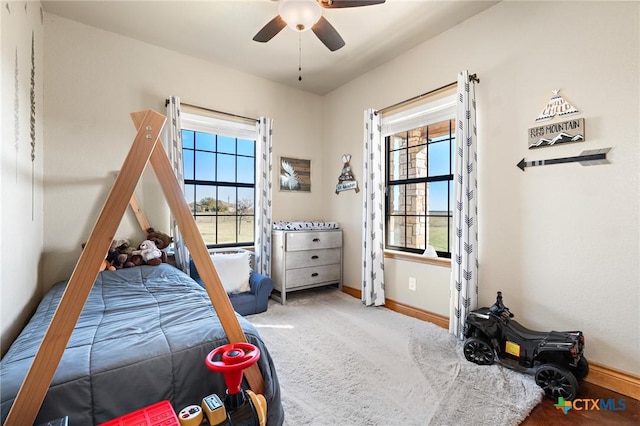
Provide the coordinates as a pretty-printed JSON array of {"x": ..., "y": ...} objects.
[{"x": 300, "y": 55}]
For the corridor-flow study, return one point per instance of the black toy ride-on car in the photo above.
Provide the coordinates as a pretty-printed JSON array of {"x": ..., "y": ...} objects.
[{"x": 555, "y": 357}]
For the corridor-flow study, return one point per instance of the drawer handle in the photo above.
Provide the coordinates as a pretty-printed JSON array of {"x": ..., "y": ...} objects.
[
  {"x": 314, "y": 257},
  {"x": 315, "y": 240},
  {"x": 315, "y": 274}
]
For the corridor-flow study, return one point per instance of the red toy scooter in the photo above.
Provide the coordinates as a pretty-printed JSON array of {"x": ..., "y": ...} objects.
[{"x": 241, "y": 407}]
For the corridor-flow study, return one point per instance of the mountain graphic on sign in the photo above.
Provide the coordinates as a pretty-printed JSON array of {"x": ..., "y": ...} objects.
[
  {"x": 557, "y": 140},
  {"x": 557, "y": 105}
]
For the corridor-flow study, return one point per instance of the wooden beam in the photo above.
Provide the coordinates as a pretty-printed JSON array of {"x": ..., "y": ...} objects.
[
  {"x": 34, "y": 388},
  {"x": 200, "y": 254},
  {"x": 142, "y": 218}
]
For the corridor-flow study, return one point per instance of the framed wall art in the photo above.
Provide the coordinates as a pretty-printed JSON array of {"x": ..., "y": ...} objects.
[{"x": 295, "y": 174}]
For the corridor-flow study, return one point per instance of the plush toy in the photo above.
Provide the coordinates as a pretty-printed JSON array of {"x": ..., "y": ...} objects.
[
  {"x": 120, "y": 254},
  {"x": 106, "y": 266},
  {"x": 161, "y": 240},
  {"x": 133, "y": 260},
  {"x": 122, "y": 245},
  {"x": 116, "y": 260},
  {"x": 151, "y": 255}
]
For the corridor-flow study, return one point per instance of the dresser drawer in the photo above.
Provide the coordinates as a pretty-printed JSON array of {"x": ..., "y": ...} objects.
[
  {"x": 312, "y": 240},
  {"x": 312, "y": 275},
  {"x": 302, "y": 259}
]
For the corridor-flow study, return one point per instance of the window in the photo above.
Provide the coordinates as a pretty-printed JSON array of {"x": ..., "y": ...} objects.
[
  {"x": 219, "y": 178},
  {"x": 420, "y": 144}
]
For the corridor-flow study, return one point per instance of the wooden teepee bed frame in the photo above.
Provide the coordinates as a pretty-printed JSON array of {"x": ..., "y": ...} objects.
[{"x": 146, "y": 148}]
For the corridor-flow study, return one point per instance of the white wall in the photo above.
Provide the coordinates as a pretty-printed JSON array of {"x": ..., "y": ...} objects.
[
  {"x": 21, "y": 212},
  {"x": 94, "y": 79},
  {"x": 560, "y": 241}
]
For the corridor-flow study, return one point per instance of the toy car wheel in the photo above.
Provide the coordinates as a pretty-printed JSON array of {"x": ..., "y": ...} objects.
[
  {"x": 556, "y": 382},
  {"x": 478, "y": 350},
  {"x": 582, "y": 369}
]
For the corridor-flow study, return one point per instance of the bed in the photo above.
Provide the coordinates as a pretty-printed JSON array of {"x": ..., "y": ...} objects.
[{"x": 142, "y": 337}]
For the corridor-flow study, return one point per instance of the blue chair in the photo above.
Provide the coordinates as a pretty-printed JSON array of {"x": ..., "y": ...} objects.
[{"x": 254, "y": 301}]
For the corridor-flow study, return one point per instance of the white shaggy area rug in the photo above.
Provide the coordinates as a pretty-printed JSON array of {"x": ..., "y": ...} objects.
[{"x": 341, "y": 363}]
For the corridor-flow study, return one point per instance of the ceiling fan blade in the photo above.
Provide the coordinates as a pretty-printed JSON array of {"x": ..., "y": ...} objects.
[
  {"x": 269, "y": 31},
  {"x": 327, "y": 34},
  {"x": 338, "y": 4}
]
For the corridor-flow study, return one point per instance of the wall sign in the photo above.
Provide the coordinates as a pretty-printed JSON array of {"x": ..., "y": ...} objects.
[
  {"x": 346, "y": 180},
  {"x": 557, "y": 105},
  {"x": 557, "y": 133}
]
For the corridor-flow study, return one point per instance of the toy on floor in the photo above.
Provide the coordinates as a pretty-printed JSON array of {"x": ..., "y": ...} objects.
[
  {"x": 554, "y": 357},
  {"x": 241, "y": 407}
]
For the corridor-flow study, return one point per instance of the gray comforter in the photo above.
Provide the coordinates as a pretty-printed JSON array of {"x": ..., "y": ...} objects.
[{"x": 142, "y": 337}]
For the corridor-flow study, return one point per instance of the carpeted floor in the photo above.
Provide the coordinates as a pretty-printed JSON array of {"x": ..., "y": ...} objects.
[{"x": 341, "y": 363}]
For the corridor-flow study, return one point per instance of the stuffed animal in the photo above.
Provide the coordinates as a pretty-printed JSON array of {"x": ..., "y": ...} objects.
[
  {"x": 133, "y": 260},
  {"x": 106, "y": 266},
  {"x": 122, "y": 245},
  {"x": 151, "y": 255},
  {"x": 161, "y": 240},
  {"x": 120, "y": 254},
  {"x": 115, "y": 259}
]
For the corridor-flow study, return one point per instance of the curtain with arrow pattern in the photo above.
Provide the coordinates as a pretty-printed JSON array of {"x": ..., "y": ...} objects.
[
  {"x": 264, "y": 185},
  {"x": 464, "y": 257},
  {"x": 373, "y": 212}
]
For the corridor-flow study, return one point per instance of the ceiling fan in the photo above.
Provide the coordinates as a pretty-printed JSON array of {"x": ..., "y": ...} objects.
[{"x": 302, "y": 15}]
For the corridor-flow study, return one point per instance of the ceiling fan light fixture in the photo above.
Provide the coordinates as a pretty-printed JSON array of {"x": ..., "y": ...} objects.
[{"x": 300, "y": 15}]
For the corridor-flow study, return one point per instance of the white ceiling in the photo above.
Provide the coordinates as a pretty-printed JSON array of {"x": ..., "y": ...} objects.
[{"x": 221, "y": 31}]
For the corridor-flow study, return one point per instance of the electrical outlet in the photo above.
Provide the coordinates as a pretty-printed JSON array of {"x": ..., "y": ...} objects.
[{"x": 412, "y": 283}]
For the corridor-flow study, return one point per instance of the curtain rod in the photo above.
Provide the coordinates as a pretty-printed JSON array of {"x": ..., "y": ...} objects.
[
  {"x": 472, "y": 77},
  {"x": 166, "y": 102}
]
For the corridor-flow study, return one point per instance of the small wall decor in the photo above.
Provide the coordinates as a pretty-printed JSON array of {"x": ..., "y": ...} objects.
[
  {"x": 346, "y": 180},
  {"x": 295, "y": 174},
  {"x": 557, "y": 133},
  {"x": 557, "y": 105},
  {"x": 586, "y": 158}
]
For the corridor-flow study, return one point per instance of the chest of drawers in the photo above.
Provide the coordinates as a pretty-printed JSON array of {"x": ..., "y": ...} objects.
[{"x": 305, "y": 259}]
